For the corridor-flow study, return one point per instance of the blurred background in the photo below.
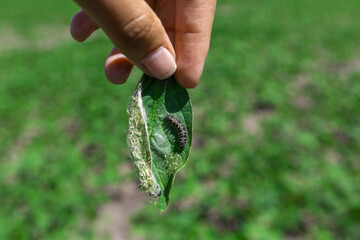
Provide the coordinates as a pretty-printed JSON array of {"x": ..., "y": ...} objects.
[{"x": 276, "y": 129}]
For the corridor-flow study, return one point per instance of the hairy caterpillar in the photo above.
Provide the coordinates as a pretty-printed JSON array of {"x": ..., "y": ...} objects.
[{"x": 181, "y": 130}]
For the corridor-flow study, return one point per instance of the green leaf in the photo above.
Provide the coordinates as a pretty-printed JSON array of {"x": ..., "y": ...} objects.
[{"x": 157, "y": 144}]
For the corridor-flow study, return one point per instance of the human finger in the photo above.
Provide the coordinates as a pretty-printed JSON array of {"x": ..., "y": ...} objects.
[
  {"x": 82, "y": 26},
  {"x": 136, "y": 31},
  {"x": 117, "y": 67},
  {"x": 189, "y": 24}
]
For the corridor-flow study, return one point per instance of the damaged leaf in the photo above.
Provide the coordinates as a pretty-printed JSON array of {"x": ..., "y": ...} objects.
[{"x": 160, "y": 135}]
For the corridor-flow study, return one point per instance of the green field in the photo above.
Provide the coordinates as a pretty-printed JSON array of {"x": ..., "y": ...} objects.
[{"x": 276, "y": 150}]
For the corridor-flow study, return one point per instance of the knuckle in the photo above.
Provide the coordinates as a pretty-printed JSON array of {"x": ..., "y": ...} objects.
[{"x": 137, "y": 29}]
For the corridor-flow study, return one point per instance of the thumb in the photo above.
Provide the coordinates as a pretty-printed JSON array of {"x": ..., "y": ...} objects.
[{"x": 136, "y": 31}]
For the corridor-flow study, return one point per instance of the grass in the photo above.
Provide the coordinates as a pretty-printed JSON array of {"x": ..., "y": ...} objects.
[{"x": 277, "y": 125}]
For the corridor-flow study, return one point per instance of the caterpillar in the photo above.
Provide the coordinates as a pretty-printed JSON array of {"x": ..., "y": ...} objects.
[{"x": 181, "y": 130}]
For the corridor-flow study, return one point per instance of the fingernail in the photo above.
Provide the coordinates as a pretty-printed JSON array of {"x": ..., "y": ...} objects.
[{"x": 160, "y": 63}]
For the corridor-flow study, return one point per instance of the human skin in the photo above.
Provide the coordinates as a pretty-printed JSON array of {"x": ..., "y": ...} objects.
[{"x": 174, "y": 40}]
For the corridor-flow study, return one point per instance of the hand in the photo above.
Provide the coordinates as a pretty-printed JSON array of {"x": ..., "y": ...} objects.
[{"x": 148, "y": 40}]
